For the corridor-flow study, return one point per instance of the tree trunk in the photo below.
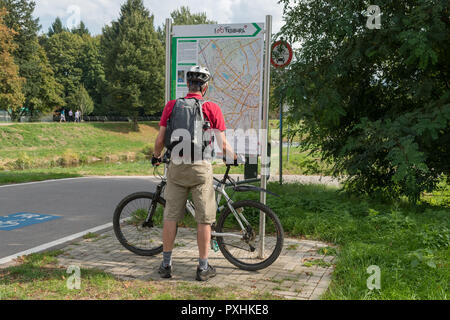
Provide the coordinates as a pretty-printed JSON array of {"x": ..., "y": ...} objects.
[{"x": 135, "y": 123}]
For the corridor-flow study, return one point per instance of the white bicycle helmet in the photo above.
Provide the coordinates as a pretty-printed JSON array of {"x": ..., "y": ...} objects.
[{"x": 199, "y": 74}]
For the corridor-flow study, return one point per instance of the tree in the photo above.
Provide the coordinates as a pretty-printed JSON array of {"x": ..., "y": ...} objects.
[
  {"x": 40, "y": 89},
  {"x": 64, "y": 52},
  {"x": 183, "y": 16},
  {"x": 134, "y": 62},
  {"x": 80, "y": 100},
  {"x": 56, "y": 27},
  {"x": 11, "y": 96},
  {"x": 81, "y": 30},
  {"x": 45, "y": 93},
  {"x": 20, "y": 18},
  {"x": 91, "y": 64},
  {"x": 376, "y": 102}
]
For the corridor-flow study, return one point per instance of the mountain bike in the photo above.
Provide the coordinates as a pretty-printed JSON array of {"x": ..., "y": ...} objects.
[{"x": 138, "y": 224}]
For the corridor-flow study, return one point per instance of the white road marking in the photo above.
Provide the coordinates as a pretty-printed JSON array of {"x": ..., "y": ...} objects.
[
  {"x": 37, "y": 182},
  {"x": 88, "y": 177},
  {"x": 54, "y": 243}
]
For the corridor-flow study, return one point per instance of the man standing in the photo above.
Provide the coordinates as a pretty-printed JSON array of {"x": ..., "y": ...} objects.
[
  {"x": 77, "y": 116},
  {"x": 195, "y": 177}
]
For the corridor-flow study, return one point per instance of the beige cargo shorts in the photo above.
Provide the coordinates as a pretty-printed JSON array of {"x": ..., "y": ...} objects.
[{"x": 197, "y": 179}]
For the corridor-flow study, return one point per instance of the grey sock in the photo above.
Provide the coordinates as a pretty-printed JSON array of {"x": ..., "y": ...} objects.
[
  {"x": 203, "y": 264},
  {"x": 167, "y": 259}
]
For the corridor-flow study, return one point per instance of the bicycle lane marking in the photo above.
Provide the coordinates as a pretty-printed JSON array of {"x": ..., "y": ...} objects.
[
  {"x": 23, "y": 219},
  {"x": 55, "y": 243}
]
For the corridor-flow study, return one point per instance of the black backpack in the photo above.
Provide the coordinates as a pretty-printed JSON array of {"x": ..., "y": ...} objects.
[{"x": 187, "y": 114}]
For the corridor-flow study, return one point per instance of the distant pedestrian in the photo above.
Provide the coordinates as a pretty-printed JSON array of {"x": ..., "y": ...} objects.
[
  {"x": 77, "y": 116},
  {"x": 63, "y": 116},
  {"x": 70, "y": 115}
]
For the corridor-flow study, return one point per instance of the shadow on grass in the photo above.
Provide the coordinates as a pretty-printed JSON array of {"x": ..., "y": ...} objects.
[{"x": 121, "y": 127}]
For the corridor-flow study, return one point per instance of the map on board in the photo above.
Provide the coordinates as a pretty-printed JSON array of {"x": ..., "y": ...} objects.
[
  {"x": 236, "y": 85},
  {"x": 234, "y": 56}
]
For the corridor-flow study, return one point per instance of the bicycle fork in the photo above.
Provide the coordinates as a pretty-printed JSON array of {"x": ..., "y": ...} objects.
[{"x": 151, "y": 211}]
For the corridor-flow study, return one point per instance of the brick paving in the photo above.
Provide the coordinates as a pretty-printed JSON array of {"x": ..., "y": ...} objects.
[{"x": 287, "y": 278}]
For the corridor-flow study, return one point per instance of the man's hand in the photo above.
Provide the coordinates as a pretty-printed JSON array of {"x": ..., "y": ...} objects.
[
  {"x": 156, "y": 161},
  {"x": 238, "y": 160}
]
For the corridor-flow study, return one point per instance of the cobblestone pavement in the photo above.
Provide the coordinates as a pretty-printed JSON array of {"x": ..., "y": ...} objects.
[{"x": 299, "y": 273}]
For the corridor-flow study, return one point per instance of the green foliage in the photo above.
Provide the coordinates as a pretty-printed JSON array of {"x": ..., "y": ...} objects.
[
  {"x": 93, "y": 74},
  {"x": 41, "y": 91},
  {"x": 81, "y": 30},
  {"x": 409, "y": 243},
  {"x": 134, "y": 62},
  {"x": 11, "y": 96},
  {"x": 64, "y": 53},
  {"x": 80, "y": 100},
  {"x": 183, "y": 16},
  {"x": 374, "y": 102},
  {"x": 56, "y": 27}
]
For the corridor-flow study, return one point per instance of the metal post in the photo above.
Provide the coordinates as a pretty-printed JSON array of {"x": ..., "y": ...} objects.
[
  {"x": 168, "y": 64},
  {"x": 168, "y": 57},
  {"x": 281, "y": 141},
  {"x": 289, "y": 145},
  {"x": 264, "y": 136}
]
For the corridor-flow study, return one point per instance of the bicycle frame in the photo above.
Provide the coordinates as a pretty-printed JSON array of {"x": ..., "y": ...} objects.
[{"x": 220, "y": 192}]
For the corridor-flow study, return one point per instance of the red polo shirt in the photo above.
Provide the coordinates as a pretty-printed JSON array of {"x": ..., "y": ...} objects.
[{"x": 211, "y": 110}]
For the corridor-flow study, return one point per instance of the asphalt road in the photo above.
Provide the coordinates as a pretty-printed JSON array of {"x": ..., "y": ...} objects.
[{"x": 82, "y": 204}]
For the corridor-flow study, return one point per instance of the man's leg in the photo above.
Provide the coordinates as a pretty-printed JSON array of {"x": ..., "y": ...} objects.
[
  {"x": 176, "y": 197},
  {"x": 203, "y": 240},
  {"x": 169, "y": 234},
  {"x": 205, "y": 213}
]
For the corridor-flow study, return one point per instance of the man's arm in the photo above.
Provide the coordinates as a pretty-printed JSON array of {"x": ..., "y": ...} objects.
[
  {"x": 159, "y": 143},
  {"x": 227, "y": 150}
]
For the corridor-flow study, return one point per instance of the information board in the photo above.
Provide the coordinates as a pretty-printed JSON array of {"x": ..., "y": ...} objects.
[{"x": 233, "y": 53}]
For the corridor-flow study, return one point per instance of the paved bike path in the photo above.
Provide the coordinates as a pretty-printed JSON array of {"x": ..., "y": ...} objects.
[{"x": 80, "y": 204}]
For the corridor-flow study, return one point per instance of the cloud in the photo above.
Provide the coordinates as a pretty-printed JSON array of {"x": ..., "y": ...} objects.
[{"x": 97, "y": 13}]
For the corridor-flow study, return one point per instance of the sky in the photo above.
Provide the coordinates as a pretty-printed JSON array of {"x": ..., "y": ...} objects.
[{"x": 97, "y": 13}]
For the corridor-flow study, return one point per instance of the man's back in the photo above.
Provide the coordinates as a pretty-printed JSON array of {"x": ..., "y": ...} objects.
[{"x": 211, "y": 110}]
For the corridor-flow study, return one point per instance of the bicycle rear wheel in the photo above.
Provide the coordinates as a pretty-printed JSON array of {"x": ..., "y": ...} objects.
[
  {"x": 130, "y": 226},
  {"x": 243, "y": 251}
]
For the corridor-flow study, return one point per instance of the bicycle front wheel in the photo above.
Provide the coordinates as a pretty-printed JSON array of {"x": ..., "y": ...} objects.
[
  {"x": 138, "y": 223},
  {"x": 241, "y": 248}
]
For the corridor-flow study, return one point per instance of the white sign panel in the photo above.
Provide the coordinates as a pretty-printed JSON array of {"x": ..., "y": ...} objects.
[{"x": 234, "y": 55}]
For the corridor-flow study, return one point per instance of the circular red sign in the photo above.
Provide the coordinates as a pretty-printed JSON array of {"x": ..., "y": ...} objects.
[{"x": 285, "y": 54}]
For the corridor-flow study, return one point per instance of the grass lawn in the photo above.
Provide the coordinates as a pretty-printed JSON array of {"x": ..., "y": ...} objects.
[
  {"x": 409, "y": 244},
  {"x": 41, "y": 151},
  {"x": 47, "y": 145},
  {"x": 300, "y": 163}
]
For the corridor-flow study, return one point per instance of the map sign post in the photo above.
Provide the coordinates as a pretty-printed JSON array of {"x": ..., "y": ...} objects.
[
  {"x": 282, "y": 55},
  {"x": 234, "y": 54}
]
